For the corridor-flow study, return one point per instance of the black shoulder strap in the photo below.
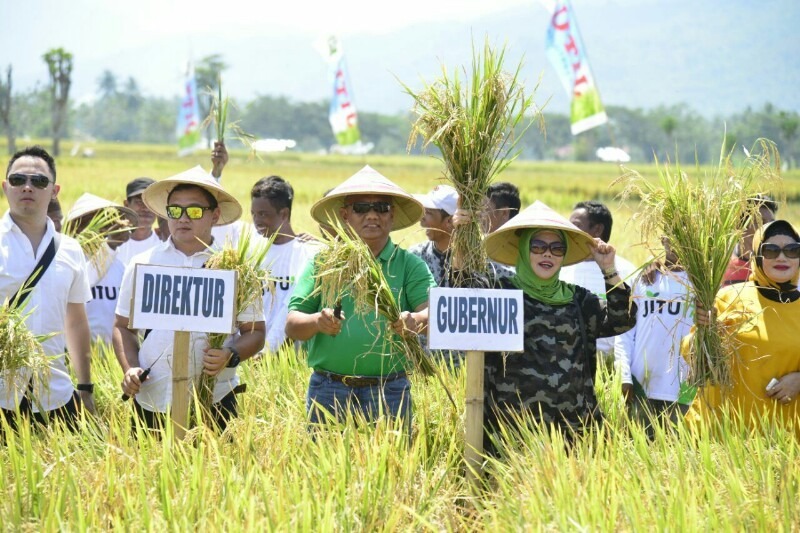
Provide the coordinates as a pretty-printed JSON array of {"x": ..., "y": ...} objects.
[{"x": 38, "y": 272}]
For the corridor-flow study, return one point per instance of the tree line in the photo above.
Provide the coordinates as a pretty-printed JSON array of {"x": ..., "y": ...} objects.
[{"x": 121, "y": 112}]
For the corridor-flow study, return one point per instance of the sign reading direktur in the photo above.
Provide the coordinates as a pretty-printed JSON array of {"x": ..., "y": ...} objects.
[{"x": 183, "y": 299}]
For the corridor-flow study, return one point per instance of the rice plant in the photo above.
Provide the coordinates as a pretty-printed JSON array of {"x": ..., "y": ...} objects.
[
  {"x": 474, "y": 124},
  {"x": 346, "y": 267},
  {"x": 247, "y": 260},
  {"x": 218, "y": 115},
  {"x": 93, "y": 235},
  {"x": 19, "y": 347},
  {"x": 704, "y": 218}
]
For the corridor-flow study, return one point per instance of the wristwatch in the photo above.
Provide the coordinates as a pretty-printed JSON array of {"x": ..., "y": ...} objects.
[
  {"x": 85, "y": 387},
  {"x": 234, "y": 361}
]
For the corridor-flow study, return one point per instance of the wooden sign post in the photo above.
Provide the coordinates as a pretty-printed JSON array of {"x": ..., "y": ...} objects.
[
  {"x": 182, "y": 300},
  {"x": 180, "y": 384},
  {"x": 473, "y": 451},
  {"x": 477, "y": 321}
]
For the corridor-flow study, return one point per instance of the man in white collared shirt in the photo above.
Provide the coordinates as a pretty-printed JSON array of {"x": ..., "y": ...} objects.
[
  {"x": 56, "y": 304},
  {"x": 191, "y": 189}
]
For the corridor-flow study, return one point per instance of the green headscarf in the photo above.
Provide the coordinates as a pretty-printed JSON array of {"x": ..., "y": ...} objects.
[{"x": 550, "y": 291}]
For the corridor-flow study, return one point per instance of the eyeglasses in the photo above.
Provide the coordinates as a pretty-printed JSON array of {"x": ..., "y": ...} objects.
[
  {"x": 194, "y": 212},
  {"x": 365, "y": 207},
  {"x": 772, "y": 251},
  {"x": 558, "y": 249},
  {"x": 40, "y": 181}
]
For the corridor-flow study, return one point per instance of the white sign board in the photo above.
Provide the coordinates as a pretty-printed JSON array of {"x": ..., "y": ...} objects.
[
  {"x": 475, "y": 319},
  {"x": 183, "y": 299}
]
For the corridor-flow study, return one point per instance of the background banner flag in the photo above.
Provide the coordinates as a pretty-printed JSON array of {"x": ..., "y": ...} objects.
[
  {"x": 342, "y": 112},
  {"x": 568, "y": 55},
  {"x": 188, "y": 128}
]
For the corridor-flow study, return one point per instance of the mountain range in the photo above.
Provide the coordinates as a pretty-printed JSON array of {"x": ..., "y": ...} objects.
[{"x": 718, "y": 57}]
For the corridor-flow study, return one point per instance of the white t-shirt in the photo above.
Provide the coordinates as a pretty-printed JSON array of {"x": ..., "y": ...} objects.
[
  {"x": 131, "y": 248},
  {"x": 588, "y": 275},
  {"x": 63, "y": 283},
  {"x": 229, "y": 233},
  {"x": 100, "y": 310},
  {"x": 284, "y": 262},
  {"x": 155, "y": 393},
  {"x": 651, "y": 350}
]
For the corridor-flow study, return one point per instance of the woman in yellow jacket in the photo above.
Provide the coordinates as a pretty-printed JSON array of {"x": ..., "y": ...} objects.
[{"x": 764, "y": 316}]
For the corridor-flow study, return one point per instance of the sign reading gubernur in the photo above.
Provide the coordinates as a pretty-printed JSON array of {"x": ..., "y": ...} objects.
[
  {"x": 475, "y": 319},
  {"x": 183, "y": 299}
]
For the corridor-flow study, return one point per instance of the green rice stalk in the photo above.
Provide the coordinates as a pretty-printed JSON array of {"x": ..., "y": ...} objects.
[
  {"x": 474, "y": 125},
  {"x": 93, "y": 237},
  {"x": 347, "y": 267},
  {"x": 703, "y": 219},
  {"x": 218, "y": 115},
  {"x": 247, "y": 260}
]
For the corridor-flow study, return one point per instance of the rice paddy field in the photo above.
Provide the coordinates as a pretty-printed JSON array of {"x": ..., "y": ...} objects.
[{"x": 268, "y": 473}]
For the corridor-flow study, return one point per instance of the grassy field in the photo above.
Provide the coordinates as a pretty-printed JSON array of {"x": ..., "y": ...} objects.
[
  {"x": 560, "y": 185},
  {"x": 268, "y": 473}
]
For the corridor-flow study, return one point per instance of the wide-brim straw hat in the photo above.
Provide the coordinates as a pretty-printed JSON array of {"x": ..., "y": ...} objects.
[
  {"x": 155, "y": 196},
  {"x": 406, "y": 209},
  {"x": 89, "y": 204},
  {"x": 503, "y": 244}
]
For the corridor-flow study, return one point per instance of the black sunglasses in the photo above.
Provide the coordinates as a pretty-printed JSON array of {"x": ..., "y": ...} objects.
[
  {"x": 194, "y": 212},
  {"x": 772, "y": 251},
  {"x": 365, "y": 207},
  {"x": 558, "y": 249},
  {"x": 40, "y": 181}
]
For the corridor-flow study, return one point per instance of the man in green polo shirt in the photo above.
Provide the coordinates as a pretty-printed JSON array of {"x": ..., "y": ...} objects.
[{"x": 356, "y": 368}]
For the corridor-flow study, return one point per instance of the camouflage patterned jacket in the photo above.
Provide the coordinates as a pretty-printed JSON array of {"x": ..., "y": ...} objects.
[{"x": 555, "y": 374}]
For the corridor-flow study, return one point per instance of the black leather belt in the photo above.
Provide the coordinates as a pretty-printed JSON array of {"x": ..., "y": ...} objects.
[{"x": 360, "y": 381}]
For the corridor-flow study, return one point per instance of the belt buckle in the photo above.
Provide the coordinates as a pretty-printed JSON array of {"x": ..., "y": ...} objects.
[{"x": 345, "y": 380}]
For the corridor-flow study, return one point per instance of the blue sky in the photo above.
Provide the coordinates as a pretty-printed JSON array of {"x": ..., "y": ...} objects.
[{"x": 106, "y": 32}]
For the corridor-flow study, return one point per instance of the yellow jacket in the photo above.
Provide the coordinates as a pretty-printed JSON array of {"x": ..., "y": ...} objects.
[{"x": 766, "y": 339}]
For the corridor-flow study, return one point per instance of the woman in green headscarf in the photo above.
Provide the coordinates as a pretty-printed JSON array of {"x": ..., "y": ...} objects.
[{"x": 553, "y": 379}]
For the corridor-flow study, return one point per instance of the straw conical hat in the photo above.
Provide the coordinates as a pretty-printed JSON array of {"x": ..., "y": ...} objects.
[
  {"x": 89, "y": 204},
  {"x": 502, "y": 244},
  {"x": 407, "y": 209},
  {"x": 155, "y": 196}
]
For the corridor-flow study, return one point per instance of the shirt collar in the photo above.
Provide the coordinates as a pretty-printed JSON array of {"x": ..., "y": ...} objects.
[
  {"x": 387, "y": 251},
  {"x": 169, "y": 245},
  {"x": 7, "y": 224}
]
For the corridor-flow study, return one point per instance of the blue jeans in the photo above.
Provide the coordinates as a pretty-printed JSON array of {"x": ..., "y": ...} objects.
[{"x": 391, "y": 399}]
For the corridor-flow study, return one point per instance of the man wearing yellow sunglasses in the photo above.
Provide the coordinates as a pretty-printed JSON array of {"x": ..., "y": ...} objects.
[{"x": 193, "y": 203}]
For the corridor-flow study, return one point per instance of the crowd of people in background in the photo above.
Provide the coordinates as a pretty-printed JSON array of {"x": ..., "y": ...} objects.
[{"x": 584, "y": 304}]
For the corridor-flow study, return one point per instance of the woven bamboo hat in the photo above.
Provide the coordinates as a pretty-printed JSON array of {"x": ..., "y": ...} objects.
[
  {"x": 503, "y": 244},
  {"x": 89, "y": 204},
  {"x": 407, "y": 209},
  {"x": 155, "y": 196}
]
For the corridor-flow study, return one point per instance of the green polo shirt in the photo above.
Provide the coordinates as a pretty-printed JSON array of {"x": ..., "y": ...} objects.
[{"x": 362, "y": 347}]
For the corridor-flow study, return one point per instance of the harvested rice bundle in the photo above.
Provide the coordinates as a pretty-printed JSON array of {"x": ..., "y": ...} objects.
[
  {"x": 703, "y": 219},
  {"x": 247, "y": 260},
  {"x": 19, "y": 348},
  {"x": 474, "y": 125},
  {"x": 93, "y": 236},
  {"x": 347, "y": 267},
  {"x": 219, "y": 113}
]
